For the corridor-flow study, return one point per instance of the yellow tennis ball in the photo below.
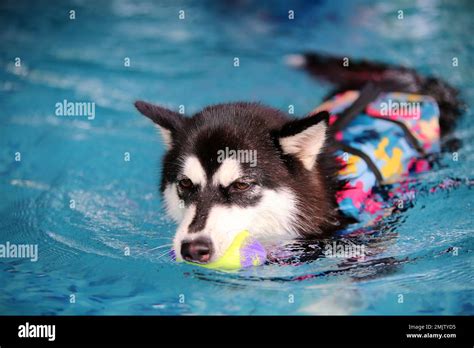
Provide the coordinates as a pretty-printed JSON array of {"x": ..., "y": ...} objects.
[{"x": 243, "y": 252}]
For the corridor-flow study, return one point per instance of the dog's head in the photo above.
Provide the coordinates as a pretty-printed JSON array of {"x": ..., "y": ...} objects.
[{"x": 241, "y": 166}]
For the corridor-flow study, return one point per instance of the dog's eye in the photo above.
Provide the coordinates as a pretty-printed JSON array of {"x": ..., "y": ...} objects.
[
  {"x": 240, "y": 186},
  {"x": 185, "y": 184}
]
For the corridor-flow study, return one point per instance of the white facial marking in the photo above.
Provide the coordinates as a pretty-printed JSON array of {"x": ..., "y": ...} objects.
[
  {"x": 272, "y": 219},
  {"x": 182, "y": 231},
  {"x": 228, "y": 172},
  {"x": 174, "y": 206},
  {"x": 194, "y": 171},
  {"x": 276, "y": 217},
  {"x": 306, "y": 145}
]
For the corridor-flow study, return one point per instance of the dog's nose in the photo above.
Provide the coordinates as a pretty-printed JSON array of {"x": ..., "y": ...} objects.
[{"x": 199, "y": 250}]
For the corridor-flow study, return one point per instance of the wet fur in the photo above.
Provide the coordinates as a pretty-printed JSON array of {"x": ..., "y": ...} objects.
[{"x": 254, "y": 126}]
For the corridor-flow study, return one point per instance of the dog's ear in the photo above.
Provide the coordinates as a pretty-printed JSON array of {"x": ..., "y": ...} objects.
[
  {"x": 304, "y": 138},
  {"x": 168, "y": 122}
]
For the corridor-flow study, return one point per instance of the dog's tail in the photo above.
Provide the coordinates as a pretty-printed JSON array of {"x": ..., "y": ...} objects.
[{"x": 350, "y": 74}]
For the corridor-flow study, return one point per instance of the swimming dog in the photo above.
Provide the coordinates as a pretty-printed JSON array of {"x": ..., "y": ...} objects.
[{"x": 245, "y": 166}]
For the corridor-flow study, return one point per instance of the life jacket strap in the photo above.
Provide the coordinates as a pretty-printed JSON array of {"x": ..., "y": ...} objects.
[{"x": 368, "y": 94}]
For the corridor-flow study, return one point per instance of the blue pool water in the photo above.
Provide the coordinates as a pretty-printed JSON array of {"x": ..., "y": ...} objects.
[{"x": 423, "y": 256}]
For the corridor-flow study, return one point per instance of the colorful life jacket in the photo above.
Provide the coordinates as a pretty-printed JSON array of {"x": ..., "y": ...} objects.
[{"x": 383, "y": 138}]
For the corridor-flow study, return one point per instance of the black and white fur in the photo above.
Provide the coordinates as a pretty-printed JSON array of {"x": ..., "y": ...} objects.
[{"x": 291, "y": 192}]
